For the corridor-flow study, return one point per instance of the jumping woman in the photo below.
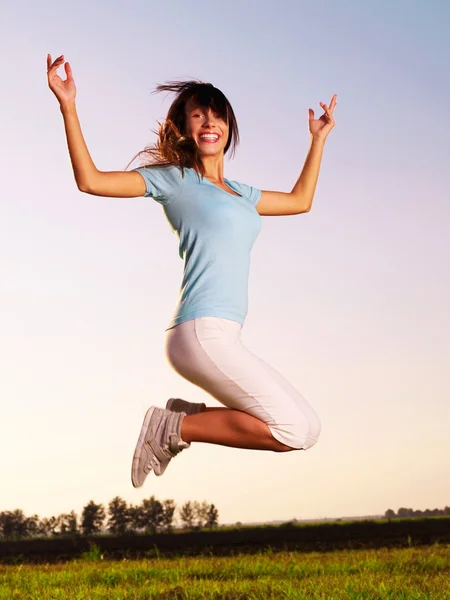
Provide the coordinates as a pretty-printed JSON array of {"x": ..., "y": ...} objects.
[{"x": 216, "y": 222}]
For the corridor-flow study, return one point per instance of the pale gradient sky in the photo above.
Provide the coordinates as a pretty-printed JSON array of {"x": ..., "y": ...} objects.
[{"x": 350, "y": 302}]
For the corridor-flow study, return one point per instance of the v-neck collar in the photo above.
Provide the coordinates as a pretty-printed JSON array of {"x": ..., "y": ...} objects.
[
  {"x": 221, "y": 189},
  {"x": 196, "y": 174}
]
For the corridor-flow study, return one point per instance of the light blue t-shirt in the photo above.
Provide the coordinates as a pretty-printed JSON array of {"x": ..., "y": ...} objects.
[{"x": 216, "y": 232}]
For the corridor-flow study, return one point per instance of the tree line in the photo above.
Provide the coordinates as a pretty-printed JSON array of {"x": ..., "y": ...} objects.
[
  {"x": 404, "y": 513},
  {"x": 151, "y": 516}
]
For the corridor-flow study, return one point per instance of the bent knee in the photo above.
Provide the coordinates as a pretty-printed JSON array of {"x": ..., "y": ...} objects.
[
  {"x": 297, "y": 436},
  {"x": 315, "y": 428},
  {"x": 283, "y": 447}
]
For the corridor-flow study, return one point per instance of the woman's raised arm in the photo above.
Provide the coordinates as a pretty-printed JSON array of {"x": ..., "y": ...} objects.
[{"x": 117, "y": 184}]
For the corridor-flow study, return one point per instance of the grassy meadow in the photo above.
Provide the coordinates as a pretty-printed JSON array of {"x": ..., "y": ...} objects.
[{"x": 396, "y": 574}]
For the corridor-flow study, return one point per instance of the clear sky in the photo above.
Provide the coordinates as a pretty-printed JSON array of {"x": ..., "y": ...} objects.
[{"x": 350, "y": 302}]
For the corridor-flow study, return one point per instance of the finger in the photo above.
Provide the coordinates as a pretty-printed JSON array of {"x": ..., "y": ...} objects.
[
  {"x": 327, "y": 109},
  {"x": 333, "y": 102},
  {"x": 57, "y": 63},
  {"x": 49, "y": 60},
  {"x": 328, "y": 113},
  {"x": 68, "y": 70},
  {"x": 311, "y": 113}
]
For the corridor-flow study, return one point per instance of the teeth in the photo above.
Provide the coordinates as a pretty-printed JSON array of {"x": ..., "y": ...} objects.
[{"x": 210, "y": 136}]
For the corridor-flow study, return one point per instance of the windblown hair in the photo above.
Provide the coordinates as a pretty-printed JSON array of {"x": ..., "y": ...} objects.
[{"x": 173, "y": 146}]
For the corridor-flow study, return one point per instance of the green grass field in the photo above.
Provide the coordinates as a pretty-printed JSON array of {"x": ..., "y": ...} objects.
[{"x": 396, "y": 574}]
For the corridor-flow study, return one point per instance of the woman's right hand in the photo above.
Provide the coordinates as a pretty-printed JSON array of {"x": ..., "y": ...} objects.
[{"x": 64, "y": 90}]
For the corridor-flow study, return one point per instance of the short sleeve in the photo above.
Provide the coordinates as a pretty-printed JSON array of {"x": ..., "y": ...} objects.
[
  {"x": 252, "y": 194},
  {"x": 163, "y": 184}
]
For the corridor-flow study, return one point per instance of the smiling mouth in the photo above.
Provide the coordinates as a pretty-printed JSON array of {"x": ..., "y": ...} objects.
[{"x": 210, "y": 138}]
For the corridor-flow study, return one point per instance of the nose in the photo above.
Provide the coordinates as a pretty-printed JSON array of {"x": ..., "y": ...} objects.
[{"x": 210, "y": 119}]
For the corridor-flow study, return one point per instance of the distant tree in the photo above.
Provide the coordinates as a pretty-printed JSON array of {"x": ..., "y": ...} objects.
[
  {"x": 13, "y": 524},
  {"x": 20, "y": 523},
  {"x": 187, "y": 515},
  {"x": 168, "y": 515},
  {"x": 32, "y": 526},
  {"x": 118, "y": 516},
  {"x": 290, "y": 524},
  {"x": 6, "y": 524},
  {"x": 48, "y": 526},
  {"x": 213, "y": 517},
  {"x": 92, "y": 518},
  {"x": 200, "y": 510},
  {"x": 72, "y": 522},
  {"x": 67, "y": 523},
  {"x": 135, "y": 518},
  {"x": 204, "y": 515},
  {"x": 152, "y": 515},
  {"x": 407, "y": 513}
]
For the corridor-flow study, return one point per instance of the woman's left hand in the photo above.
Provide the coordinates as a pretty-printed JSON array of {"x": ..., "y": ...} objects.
[{"x": 320, "y": 128}]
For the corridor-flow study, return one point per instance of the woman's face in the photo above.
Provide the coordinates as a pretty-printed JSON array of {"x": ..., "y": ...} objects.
[{"x": 208, "y": 130}]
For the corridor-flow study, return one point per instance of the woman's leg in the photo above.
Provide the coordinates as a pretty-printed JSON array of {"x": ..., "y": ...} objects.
[
  {"x": 228, "y": 427},
  {"x": 263, "y": 411},
  {"x": 267, "y": 412}
]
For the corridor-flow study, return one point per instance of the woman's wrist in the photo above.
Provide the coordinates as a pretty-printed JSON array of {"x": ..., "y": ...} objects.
[
  {"x": 68, "y": 107},
  {"x": 317, "y": 140}
]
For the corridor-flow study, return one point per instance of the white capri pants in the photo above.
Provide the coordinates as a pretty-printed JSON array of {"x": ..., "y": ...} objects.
[{"x": 209, "y": 353}]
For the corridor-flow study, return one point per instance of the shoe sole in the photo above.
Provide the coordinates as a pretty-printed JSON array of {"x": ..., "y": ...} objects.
[{"x": 139, "y": 446}]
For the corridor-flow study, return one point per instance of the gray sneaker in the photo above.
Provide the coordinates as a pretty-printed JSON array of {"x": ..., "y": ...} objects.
[
  {"x": 159, "y": 441},
  {"x": 190, "y": 408}
]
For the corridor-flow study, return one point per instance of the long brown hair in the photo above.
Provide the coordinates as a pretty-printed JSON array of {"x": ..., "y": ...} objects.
[{"x": 173, "y": 147}]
